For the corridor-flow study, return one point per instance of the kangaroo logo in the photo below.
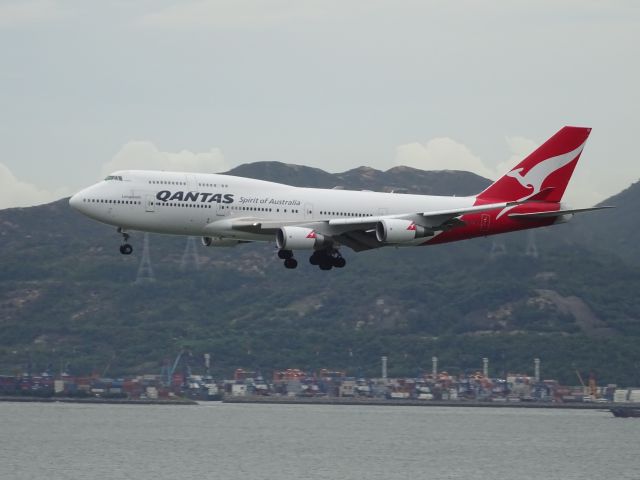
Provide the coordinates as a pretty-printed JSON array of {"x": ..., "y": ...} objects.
[{"x": 536, "y": 176}]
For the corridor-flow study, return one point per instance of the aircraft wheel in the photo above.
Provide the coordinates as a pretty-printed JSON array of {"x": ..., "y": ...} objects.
[
  {"x": 290, "y": 263},
  {"x": 326, "y": 266},
  {"x": 339, "y": 262},
  {"x": 314, "y": 259},
  {"x": 126, "y": 249}
]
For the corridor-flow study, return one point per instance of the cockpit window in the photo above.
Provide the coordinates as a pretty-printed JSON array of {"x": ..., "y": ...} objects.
[{"x": 114, "y": 177}]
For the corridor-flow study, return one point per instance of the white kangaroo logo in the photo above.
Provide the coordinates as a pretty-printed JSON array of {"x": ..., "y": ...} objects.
[{"x": 535, "y": 177}]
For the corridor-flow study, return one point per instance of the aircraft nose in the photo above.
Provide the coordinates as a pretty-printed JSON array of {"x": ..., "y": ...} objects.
[{"x": 76, "y": 201}]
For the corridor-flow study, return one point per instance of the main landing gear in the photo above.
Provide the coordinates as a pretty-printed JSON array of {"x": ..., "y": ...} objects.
[
  {"x": 287, "y": 256},
  {"x": 125, "y": 248},
  {"x": 327, "y": 259}
]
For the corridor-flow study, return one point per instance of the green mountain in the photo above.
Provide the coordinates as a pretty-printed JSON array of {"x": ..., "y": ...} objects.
[
  {"x": 68, "y": 297},
  {"x": 614, "y": 230},
  {"x": 399, "y": 179}
]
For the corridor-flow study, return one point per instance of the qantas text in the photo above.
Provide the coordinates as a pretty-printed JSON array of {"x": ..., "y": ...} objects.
[{"x": 202, "y": 197}]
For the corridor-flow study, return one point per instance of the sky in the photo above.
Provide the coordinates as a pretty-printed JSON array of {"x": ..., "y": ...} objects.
[{"x": 90, "y": 87}]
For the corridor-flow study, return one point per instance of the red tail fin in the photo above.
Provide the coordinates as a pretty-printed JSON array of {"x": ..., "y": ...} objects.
[{"x": 545, "y": 173}]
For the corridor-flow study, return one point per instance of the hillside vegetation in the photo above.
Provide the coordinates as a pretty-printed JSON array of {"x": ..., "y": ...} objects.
[{"x": 67, "y": 296}]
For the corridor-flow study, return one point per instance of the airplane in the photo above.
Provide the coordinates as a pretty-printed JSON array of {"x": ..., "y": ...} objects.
[{"x": 226, "y": 211}]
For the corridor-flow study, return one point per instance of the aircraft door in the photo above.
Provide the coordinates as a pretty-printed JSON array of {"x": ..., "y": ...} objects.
[
  {"x": 222, "y": 210},
  {"x": 485, "y": 222},
  {"x": 308, "y": 211},
  {"x": 149, "y": 205},
  {"x": 192, "y": 183}
]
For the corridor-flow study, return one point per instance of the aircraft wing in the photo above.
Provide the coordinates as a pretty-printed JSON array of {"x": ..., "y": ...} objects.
[
  {"x": 261, "y": 226},
  {"x": 359, "y": 233},
  {"x": 433, "y": 219},
  {"x": 451, "y": 218}
]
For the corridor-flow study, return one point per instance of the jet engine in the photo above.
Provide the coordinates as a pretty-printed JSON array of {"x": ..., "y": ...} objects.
[
  {"x": 299, "y": 238},
  {"x": 219, "y": 242},
  {"x": 393, "y": 230}
]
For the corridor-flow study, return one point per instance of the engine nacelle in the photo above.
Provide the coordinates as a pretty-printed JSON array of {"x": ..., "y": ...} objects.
[
  {"x": 393, "y": 230},
  {"x": 219, "y": 242},
  {"x": 299, "y": 238}
]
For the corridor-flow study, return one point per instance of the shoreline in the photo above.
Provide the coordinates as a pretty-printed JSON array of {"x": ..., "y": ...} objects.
[
  {"x": 97, "y": 401},
  {"x": 423, "y": 403},
  {"x": 349, "y": 401}
]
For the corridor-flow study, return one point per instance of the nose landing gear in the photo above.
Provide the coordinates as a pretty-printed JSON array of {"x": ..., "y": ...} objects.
[{"x": 125, "y": 248}]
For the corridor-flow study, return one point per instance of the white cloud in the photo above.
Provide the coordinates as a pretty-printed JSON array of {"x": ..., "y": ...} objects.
[
  {"x": 447, "y": 154},
  {"x": 15, "y": 193},
  {"x": 144, "y": 155},
  {"x": 133, "y": 155},
  {"x": 26, "y": 12},
  {"x": 248, "y": 13},
  {"x": 215, "y": 13},
  {"x": 519, "y": 148},
  {"x": 441, "y": 154}
]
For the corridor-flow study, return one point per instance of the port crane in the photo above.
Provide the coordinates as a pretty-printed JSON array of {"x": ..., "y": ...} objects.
[
  {"x": 185, "y": 356},
  {"x": 592, "y": 387}
]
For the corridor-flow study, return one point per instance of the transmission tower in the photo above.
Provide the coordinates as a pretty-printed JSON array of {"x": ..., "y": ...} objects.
[
  {"x": 145, "y": 270},
  {"x": 498, "y": 248},
  {"x": 532, "y": 247},
  {"x": 190, "y": 255}
]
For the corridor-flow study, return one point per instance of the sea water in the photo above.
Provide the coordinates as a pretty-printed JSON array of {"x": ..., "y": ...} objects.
[{"x": 250, "y": 441}]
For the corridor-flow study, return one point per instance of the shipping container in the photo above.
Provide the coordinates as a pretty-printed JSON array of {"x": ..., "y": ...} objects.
[
  {"x": 152, "y": 392},
  {"x": 400, "y": 395},
  {"x": 238, "y": 390},
  {"x": 620, "y": 395},
  {"x": 634, "y": 395}
]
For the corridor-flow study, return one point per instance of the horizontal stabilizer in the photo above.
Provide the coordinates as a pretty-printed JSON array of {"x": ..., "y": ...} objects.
[{"x": 555, "y": 213}]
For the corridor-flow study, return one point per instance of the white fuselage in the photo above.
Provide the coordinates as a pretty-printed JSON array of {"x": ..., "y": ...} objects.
[
  {"x": 209, "y": 204},
  {"x": 226, "y": 210}
]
